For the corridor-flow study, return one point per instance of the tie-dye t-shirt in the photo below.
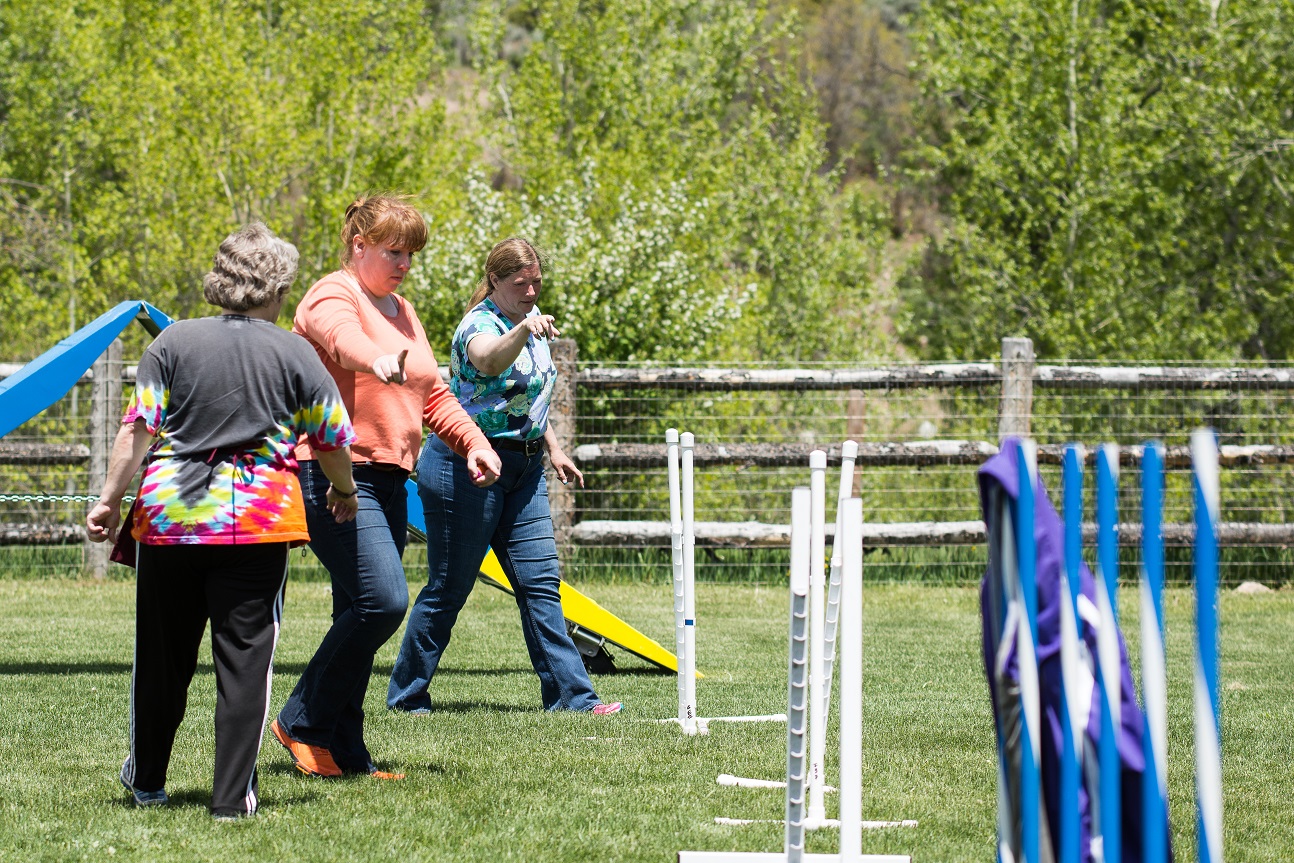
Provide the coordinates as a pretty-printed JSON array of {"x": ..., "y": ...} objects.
[
  {"x": 227, "y": 398},
  {"x": 511, "y": 405}
]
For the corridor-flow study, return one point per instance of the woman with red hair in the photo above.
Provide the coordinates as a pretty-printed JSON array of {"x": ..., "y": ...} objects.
[{"x": 373, "y": 345}]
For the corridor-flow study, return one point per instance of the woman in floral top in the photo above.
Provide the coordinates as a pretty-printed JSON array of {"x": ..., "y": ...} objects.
[
  {"x": 219, "y": 405},
  {"x": 503, "y": 375}
]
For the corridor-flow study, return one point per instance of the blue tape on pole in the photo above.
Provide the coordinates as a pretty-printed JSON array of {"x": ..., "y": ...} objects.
[
  {"x": 50, "y": 376},
  {"x": 1030, "y": 768},
  {"x": 1070, "y": 844},
  {"x": 1153, "y": 795},
  {"x": 1208, "y": 719},
  {"x": 1107, "y": 553}
]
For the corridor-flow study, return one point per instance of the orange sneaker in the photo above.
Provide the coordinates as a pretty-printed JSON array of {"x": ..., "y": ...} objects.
[
  {"x": 310, "y": 760},
  {"x": 382, "y": 774}
]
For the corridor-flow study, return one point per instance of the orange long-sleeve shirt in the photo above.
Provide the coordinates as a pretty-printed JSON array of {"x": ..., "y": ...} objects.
[{"x": 349, "y": 333}]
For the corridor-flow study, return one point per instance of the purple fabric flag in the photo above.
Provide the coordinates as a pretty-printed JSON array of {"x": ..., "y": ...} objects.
[{"x": 999, "y": 485}]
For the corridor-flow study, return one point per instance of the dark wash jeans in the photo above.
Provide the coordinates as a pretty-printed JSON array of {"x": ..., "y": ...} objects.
[
  {"x": 513, "y": 518},
  {"x": 369, "y": 598}
]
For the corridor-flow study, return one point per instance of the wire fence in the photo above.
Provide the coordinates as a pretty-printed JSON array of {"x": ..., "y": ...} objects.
[
  {"x": 758, "y": 424},
  {"x": 1243, "y": 411}
]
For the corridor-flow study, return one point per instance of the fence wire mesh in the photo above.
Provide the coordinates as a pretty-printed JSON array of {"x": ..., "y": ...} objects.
[
  {"x": 1243, "y": 414},
  {"x": 800, "y": 417}
]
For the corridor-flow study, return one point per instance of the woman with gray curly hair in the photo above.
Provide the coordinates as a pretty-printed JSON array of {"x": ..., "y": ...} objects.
[{"x": 219, "y": 405}]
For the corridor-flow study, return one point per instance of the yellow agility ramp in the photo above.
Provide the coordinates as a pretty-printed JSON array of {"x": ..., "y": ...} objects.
[
  {"x": 590, "y": 617},
  {"x": 584, "y": 616}
]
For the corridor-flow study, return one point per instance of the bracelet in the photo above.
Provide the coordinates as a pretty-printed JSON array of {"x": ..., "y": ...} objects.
[{"x": 352, "y": 492}]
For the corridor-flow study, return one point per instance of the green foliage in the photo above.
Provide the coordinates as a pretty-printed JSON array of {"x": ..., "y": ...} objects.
[
  {"x": 137, "y": 135},
  {"x": 668, "y": 154},
  {"x": 1115, "y": 177},
  {"x": 507, "y": 781},
  {"x": 857, "y": 56},
  {"x": 670, "y": 158}
]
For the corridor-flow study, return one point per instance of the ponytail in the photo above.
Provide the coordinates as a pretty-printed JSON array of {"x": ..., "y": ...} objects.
[{"x": 503, "y": 260}]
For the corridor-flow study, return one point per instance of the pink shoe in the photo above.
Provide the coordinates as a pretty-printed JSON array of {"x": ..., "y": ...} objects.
[{"x": 607, "y": 709}]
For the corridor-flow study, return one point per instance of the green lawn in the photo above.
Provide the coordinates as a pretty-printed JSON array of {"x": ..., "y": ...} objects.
[{"x": 492, "y": 777}]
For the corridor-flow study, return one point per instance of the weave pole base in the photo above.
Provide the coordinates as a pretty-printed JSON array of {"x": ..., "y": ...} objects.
[
  {"x": 825, "y": 824},
  {"x": 780, "y": 857},
  {"x": 703, "y": 723},
  {"x": 730, "y": 781}
]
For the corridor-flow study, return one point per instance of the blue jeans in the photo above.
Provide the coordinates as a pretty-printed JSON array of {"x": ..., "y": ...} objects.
[
  {"x": 369, "y": 598},
  {"x": 463, "y": 521}
]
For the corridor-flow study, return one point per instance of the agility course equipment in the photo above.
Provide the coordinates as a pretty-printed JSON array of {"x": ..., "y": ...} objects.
[
  {"x": 848, "y": 455},
  {"x": 589, "y": 623},
  {"x": 682, "y": 507},
  {"x": 800, "y": 702},
  {"x": 1018, "y": 835},
  {"x": 679, "y": 466},
  {"x": 821, "y": 635},
  {"x": 50, "y": 376}
]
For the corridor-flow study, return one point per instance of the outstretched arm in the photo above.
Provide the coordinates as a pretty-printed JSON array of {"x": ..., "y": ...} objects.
[{"x": 493, "y": 354}]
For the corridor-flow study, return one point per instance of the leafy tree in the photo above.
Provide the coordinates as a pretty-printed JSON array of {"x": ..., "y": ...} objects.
[
  {"x": 1115, "y": 177},
  {"x": 668, "y": 153},
  {"x": 857, "y": 56},
  {"x": 669, "y": 156},
  {"x": 137, "y": 135}
]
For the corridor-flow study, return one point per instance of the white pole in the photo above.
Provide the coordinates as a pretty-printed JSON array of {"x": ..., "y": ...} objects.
[
  {"x": 817, "y": 623},
  {"x": 676, "y": 552},
  {"x": 851, "y": 681},
  {"x": 687, "y": 500},
  {"x": 848, "y": 454},
  {"x": 797, "y": 654}
]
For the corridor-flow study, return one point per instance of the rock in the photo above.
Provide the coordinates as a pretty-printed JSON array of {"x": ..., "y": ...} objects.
[{"x": 1250, "y": 587}]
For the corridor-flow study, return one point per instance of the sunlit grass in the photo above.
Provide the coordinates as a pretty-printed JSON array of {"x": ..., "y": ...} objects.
[{"x": 493, "y": 777}]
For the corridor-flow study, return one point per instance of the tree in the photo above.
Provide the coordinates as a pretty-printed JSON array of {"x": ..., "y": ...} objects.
[
  {"x": 670, "y": 157},
  {"x": 137, "y": 135},
  {"x": 1114, "y": 175}
]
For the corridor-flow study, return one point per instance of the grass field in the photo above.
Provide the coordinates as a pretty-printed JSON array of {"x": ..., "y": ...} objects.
[{"x": 491, "y": 777}]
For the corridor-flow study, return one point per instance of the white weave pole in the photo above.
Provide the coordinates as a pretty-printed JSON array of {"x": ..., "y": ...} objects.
[
  {"x": 848, "y": 454},
  {"x": 817, "y": 624},
  {"x": 797, "y": 671},
  {"x": 676, "y": 558},
  {"x": 688, "y": 667},
  {"x": 798, "y": 706},
  {"x": 851, "y": 679}
]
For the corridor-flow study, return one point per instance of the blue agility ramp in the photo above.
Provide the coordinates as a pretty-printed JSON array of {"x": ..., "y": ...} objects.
[{"x": 50, "y": 376}]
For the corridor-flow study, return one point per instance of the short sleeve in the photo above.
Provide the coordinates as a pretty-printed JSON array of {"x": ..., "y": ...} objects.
[
  {"x": 480, "y": 322},
  {"x": 326, "y": 424},
  {"x": 152, "y": 393},
  {"x": 321, "y": 416}
]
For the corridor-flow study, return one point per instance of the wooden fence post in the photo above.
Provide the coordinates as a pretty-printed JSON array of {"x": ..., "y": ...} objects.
[
  {"x": 561, "y": 417},
  {"x": 1017, "y": 388},
  {"x": 105, "y": 416}
]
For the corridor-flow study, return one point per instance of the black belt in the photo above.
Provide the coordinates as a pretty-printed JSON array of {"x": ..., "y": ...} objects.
[
  {"x": 385, "y": 467},
  {"x": 529, "y": 447}
]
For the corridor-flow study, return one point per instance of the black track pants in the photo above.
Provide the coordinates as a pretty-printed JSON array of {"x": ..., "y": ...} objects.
[{"x": 240, "y": 589}]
